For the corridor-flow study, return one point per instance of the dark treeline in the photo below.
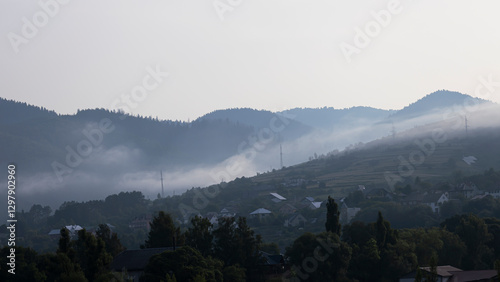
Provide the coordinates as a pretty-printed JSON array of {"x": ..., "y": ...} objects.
[
  {"x": 230, "y": 251},
  {"x": 384, "y": 242},
  {"x": 120, "y": 209},
  {"x": 377, "y": 252}
]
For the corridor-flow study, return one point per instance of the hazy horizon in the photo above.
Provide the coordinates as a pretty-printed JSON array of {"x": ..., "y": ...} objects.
[{"x": 192, "y": 58}]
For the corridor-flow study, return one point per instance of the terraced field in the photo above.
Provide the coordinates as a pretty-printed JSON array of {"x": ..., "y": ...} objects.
[{"x": 370, "y": 164}]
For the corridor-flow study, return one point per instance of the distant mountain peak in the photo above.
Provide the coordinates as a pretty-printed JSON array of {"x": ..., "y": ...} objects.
[{"x": 440, "y": 99}]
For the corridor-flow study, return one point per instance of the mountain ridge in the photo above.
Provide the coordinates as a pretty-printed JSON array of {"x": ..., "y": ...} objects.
[{"x": 189, "y": 154}]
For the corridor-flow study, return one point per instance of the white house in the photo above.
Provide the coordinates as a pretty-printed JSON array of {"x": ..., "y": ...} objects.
[
  {"x": 435, "y": 201},
  {"x": 260, "y": 213}
]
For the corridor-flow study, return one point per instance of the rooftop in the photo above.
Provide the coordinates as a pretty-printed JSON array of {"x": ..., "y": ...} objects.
[
  {"x": 278, "y": 196},
  {"x": 260, "y": 211}
]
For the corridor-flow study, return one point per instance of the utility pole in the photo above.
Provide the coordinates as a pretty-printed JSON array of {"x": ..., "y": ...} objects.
[
  {"x": 162, "y": 192},
  {"x": 393, "y": 131},
  {"x": 466, "y": 128},
  {"x": 281, "y": 157}
]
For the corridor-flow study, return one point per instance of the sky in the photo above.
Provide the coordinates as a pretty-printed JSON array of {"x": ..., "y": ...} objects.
[{"x": 179, "y": 60}]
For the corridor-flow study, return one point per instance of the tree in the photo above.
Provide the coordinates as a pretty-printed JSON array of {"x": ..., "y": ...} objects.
[
  {"x": 111, "y": 241},
  {"x": 249, "y": 249},
  {"x": 235, "y": 243},
  {"x": 39, "y": 214},
  {"x": 381, "y": 231},
  {"x": 497, "y": 268},
  {"x": 224, "y": 241},
  {"x": 185, "y": 264},
  {"x": 396, "y": 256},
  {"x": 199, "y": 235},
  {"x": 365, "y": 261},
  {"x": 431, "y": 275},
  {"x": 163, "y": 233},
  {"x": 357, "y": 233},
  {"x": 234, "y": 273},
  {"x": 25, "y": 265},
  {"x": 473, "y": 231},
  {"x": 91, "y": 255},
  {"x": 271, "y": 248},
  {"x": 58, "y": 267},
  {"x": 332, "y": 217},
  {"x": 454, "y": 249},
  {"x": 321, "y": 257},
  {"x": 418, "y": 275},
  {"x": 64, "y": 241}
]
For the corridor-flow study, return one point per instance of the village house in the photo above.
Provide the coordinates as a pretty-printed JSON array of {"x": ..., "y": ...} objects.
[
  {"x": 295, "y": 220},
  {"x": 412, "y": 199},
  {"x": 347, "y": 213},
  {"x": 448, "y": 273},
  {"x": 467, "y": 190},
  {"x": 494, "y": 191},
  {"x": 227, "y": 212},
  {"x": 370, "y": 193},
  {"x": 287, "y": 209},
  {"x": 73, "y": 231},
  {"x": 315, "y": 205},
  {"x": 435, "y": 201},
  {"x": 277, "y": 198},
  {"x": 260, "y": 213},
  {"x": 306, "y": 201},
  {"x": 273, "y": 264},
  {"x": 142, "y": 222},
  {"x": 212, "y": 217}
]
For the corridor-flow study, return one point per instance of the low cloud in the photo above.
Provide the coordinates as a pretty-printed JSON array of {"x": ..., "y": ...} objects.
[{"x": 121, "y": 168}]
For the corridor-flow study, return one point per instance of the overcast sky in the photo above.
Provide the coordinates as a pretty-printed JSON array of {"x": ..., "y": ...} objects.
[{"x": 261, "y": 54}]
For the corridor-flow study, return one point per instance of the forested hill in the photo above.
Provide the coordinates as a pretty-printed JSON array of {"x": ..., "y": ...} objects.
[
  {"x": 12, "y": 112},
  {"x": 118, "y": 152},
  {"x": 37, "y": 142},
  {"x": 36, "y": 136}
]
